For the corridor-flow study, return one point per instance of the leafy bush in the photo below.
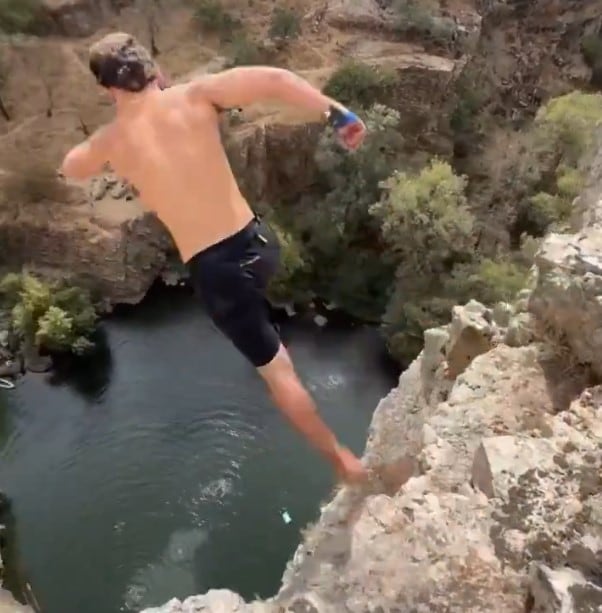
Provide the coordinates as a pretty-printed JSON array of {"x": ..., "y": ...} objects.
[
  {"x": 287, "y": 285},
  {"x": 213, "y": 17},
  {"x": 416, "y": 16},
  {"x": 49, "y": 315},
  {"x": 419, "y": 302},
  {"x": 427, "y": 226},
  {"x": 342, "y": 242},
  {"x": 20, "y": 16},
  {"x": 359, "y": 84},
  {"x": 565, "y": 126},
  {"x": 285, "y": 25},
  {"x": 425, "y": 218},
  {"x": 488, "y": 281},
  {"x": 552, "y": 169},
  {"x": 470, "y": 93},
  {"x": 591, "y": 47}
]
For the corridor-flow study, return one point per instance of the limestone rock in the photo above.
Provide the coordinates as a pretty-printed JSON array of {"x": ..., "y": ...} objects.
[
  {"x": 502, "y": 312},
  {"x": 520, "y": 330},
  {"x": 356, "y": 13},
  {"x": 522, "y": 301},
  {"x": 568, "y": 293},
  {"x": 563, "y": 589},
  {"x": 9, "y": 605},
  {"x": 77, "y": 17},
  {"x": 214, "y": 601},
  {"x": 501, "y": 456},
  {"x": 470, "y": 335}
]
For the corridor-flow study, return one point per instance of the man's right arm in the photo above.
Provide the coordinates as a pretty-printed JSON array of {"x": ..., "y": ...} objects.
[{"x": 246, "y": 85}]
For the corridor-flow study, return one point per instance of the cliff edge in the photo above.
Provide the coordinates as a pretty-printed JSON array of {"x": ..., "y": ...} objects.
[{"x": 492, "y": 495}]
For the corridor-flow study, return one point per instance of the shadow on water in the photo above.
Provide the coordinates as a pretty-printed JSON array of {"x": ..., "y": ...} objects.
[
  {"x": 90, "y": 375},
  {"x": 14, "y": 578}
]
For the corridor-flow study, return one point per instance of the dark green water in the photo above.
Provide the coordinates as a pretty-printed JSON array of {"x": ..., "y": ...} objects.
[{"x": 160, "y": 468}]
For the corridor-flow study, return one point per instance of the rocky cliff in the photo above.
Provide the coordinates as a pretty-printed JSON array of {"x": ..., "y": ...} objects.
[{"x": 487, "y": 463}]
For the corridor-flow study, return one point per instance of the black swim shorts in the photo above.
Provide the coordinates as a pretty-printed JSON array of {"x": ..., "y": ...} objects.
[{"x": 231, "y": 278}]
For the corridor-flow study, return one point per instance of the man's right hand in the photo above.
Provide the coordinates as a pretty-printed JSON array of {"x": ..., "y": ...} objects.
[
  {"x": 348, "y": 467},
  {"x": 350, "y": 129}
]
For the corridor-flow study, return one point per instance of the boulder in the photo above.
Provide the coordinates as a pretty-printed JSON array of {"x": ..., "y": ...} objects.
[
  {"x": 470, "y": 335},
  {"x": 562, "y": 589},
  {"x": 567, "y": 292},
  {"x": 520, "y": 330},
  {"x": 78, "y": 18},
  {"x": 214, "y": 601}
]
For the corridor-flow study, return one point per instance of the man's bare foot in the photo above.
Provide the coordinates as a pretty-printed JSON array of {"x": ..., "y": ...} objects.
[{"x": 349, "y": 468}]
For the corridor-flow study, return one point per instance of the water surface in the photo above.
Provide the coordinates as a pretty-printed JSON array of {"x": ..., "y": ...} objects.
[{"x": 161, "y": 468}]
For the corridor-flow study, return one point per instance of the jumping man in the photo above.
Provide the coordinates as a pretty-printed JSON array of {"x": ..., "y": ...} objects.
[{"x": 166, "y": 142}]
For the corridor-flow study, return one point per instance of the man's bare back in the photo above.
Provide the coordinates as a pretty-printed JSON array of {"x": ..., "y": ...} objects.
[
  {"x": 170, "y": 148},
  {"x": 166, "y": 142}
]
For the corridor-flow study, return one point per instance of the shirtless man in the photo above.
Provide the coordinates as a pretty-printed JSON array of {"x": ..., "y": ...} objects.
[{"x": 166, "y": 142}]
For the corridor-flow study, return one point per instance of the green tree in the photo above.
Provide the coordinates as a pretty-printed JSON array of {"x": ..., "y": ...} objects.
[
  {"x": 341, "y": 239},
  {"x": 212, "y": 17},
  {"x": 50, "y": 316},
  {"x": 427, "y": 225},
  {"x": 359, "y": 84},
  {"x": 553, "y": 171},
  {"x": 20, "y": 16},
  {"x": 285, "y": 25},
  {"x": 288, "y": 284},
  {"x": 425, "y": 218}
]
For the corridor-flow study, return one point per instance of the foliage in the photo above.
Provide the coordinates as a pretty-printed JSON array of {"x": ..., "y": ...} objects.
[
  {"x": 417, "y": 16},
  {"x": 425, "y": 218},
  {"x": 285, "y": 24},
  {"x": 342, "y": 245},
  {"x": 565, "y": 125},
  {"x": 20, "y": 16},
  {"x": 487, "y": 280},
  {"x": 49, "y": 315},
  {"x": 419, "y": 302},
  {"x": 359, "y": 84},
  {"x": 288, "y": 283},
  {"x": 214, "y": 18},
  {"x": 470, "y": 98},
  {"x": 551, "y": 171},
  {"x": 425, "y": 222}
]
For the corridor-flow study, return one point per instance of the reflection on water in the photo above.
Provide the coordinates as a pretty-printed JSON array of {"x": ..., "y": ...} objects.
[
  {"x": 89, "y": 376},
  {"x": 159, "y": 468},
  {"x": 173, "y": 571}
]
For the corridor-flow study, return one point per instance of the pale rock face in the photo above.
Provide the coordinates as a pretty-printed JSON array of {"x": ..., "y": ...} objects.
[{"x": 568, "y": 294}]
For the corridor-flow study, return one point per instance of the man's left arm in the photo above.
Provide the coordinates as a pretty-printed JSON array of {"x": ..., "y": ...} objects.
[{"x": 88, "y": 158}]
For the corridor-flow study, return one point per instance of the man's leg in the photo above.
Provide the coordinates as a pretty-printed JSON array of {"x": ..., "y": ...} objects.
[{"x": 295, "y": 402}]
